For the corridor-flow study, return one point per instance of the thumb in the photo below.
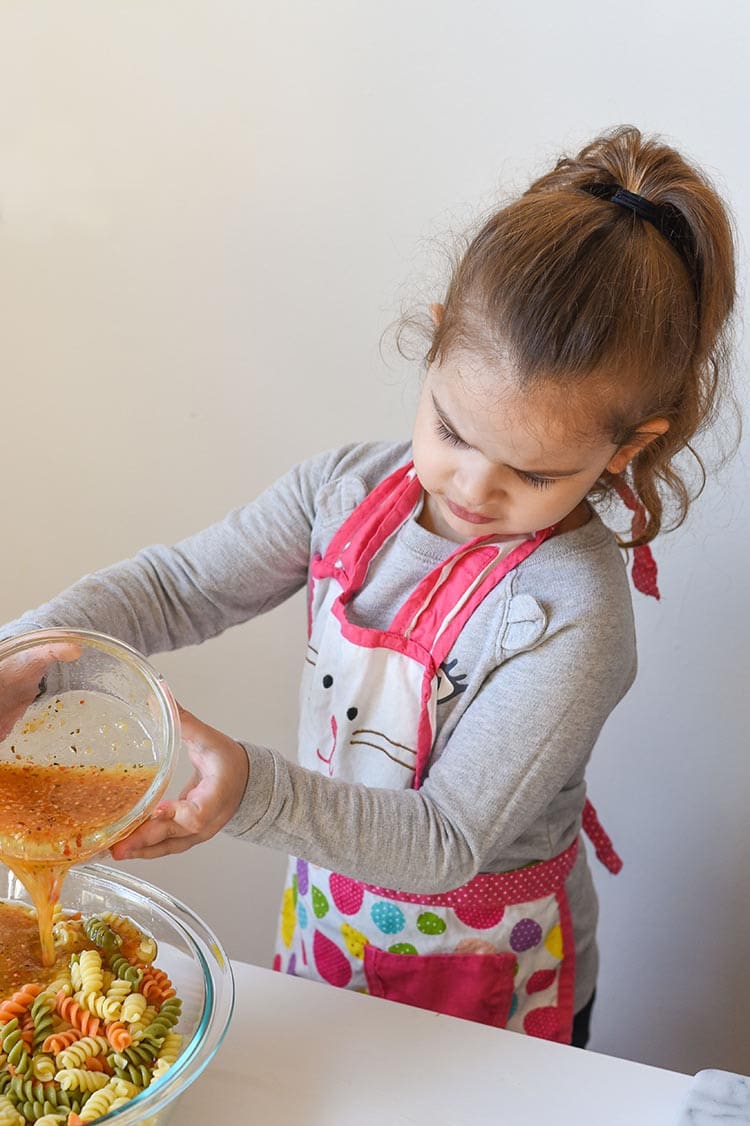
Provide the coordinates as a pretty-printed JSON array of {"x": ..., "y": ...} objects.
[{"x": 196, "y": 735}]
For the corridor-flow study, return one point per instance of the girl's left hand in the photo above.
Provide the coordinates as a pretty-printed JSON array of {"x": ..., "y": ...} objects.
[{"x": 205, "y": 805}]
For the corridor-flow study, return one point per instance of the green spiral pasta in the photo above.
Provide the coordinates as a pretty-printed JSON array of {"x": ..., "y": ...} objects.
[
  {"x": 29, "y": 1093},
  {"x": 122, "y": 968},
  {"x": 102, "y": 935},
  {"x": 14, "y": 1047},
  {"x": 42, "y": 1009},
  {"x": 166, "y": 1019},
  {"x": 138, "y": 1074}
]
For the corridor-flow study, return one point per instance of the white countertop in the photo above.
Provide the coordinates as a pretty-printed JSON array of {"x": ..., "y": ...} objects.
[{"x": 302, "y": 1053}]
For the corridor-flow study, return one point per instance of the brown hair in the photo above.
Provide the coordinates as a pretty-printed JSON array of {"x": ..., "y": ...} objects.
[{"x": 573, "y": 286}]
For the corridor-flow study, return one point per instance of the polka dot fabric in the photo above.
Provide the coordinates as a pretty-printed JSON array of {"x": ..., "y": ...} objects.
[{"x": 328, "y": 922}]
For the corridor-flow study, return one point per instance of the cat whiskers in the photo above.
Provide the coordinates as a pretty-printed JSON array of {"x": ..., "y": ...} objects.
[{"x": 379, "y": 734}]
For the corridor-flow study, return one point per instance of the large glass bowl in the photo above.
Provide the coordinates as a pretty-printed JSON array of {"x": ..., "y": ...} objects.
[
  {"x": 75, "y": 698},
  {"x": 189, "y": 952}
]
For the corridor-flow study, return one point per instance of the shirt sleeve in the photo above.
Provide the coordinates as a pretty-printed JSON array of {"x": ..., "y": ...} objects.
[
  {"x": 528, "y": 731},
  {"x": 167, "y": 597}
]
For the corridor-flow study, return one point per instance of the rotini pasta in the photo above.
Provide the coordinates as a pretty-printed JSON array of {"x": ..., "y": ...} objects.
[
  {"x": 15, "y": 1049},
  {"x": 90, "y": 964},
  {"x": 42, "y": 1010},
  {"x": 43, "y": 1068},
  {"x": 145, "y": 950},
  {"x": 119, "y": 1036},
  {"x": 156, "y": 986},
  {"x": 19, "y": 1003},
  {"x": 82, "y": 1046},
  {"x": 102, "y": 935},
  {"x": 133, "y": 1008},
  {"x": 9, "y": 1116},
  {"x": 80, "y": 1079},
  {"x": 77, "y": 1054}
]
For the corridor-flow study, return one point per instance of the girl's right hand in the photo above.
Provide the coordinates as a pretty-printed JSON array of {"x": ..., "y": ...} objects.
[
  {"x": 205, "y": 805},
  {"x": 22, "y": 679}
]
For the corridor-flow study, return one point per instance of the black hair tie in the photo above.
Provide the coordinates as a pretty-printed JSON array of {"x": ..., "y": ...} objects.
[{"x": 668, "y": 220}]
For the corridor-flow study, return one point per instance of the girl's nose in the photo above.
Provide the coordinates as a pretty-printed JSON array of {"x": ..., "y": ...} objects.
[{"x": 479, "y": 485}]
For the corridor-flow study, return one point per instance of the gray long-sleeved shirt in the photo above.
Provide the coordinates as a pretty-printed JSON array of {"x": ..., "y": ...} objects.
[{"x": 533, "y": 676}]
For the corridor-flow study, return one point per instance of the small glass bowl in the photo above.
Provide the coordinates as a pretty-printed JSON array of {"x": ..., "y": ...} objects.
[
  {"x": 189, "y": 952},
  {"x": 75, "y": 697}
]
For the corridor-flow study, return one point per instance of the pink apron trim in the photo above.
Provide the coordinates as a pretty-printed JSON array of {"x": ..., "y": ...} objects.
[
  {"x": 379, "y": 639},
  {"x": 445, "y": 641},
  {"x": 482, "y": 901},
  {"x": 555, "y": 1022},
  {"x": 567, "y": 980},
  {"x": 363, "y": 533},
  {"x": 425, "y": 733},
  {"x": 452, "y": 581}
]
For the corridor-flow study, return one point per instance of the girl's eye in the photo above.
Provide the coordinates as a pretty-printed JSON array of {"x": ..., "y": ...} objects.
[
  {"x": 448, "y": 435},
  {"x": 537, "y": 482}
]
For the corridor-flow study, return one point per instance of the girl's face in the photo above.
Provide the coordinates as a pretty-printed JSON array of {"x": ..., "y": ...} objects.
[{"x": 494, "y": 460}]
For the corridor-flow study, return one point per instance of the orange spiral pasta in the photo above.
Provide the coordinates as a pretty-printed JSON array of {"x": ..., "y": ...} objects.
[
  {"x": 59, "y": 1041},
  {"x": 72, "y": 1012},
  {"x": 96, "y": 1063},
  {"x": 118, "y": 1035},
  {"x": 19, "y": 1003},
  {"x": 155, "y": 985},
  {"x": 26, "y": 1022}
]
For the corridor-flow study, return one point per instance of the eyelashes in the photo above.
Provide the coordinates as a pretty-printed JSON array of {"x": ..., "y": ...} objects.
[
  {"x": 537, "y": 482},
  {"x": 452, "y": 439},
  {"x": 448, "y": 435}
]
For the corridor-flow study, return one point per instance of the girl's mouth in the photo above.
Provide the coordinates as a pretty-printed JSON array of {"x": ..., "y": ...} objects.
[{"x": 464, "y": 514}]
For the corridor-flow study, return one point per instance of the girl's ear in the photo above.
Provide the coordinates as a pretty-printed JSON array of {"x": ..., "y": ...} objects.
[
  {"x": 644, "y": 435},
  {"x": 436, "y": 312}
]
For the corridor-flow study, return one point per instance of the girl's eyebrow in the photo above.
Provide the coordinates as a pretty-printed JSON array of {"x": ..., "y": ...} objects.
[{"x": 530, "y": 472}]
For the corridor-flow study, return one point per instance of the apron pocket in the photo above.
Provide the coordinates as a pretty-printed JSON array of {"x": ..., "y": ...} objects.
[{"x": 472, "y": 986}]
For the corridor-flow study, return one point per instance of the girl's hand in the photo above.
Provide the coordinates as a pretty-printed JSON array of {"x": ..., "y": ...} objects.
[
  {"x": 22, "y": 679},
  {"x": 205, "y": 805}
]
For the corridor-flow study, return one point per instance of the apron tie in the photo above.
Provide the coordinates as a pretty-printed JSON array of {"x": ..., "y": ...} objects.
[{"x": 603, "y": 846}]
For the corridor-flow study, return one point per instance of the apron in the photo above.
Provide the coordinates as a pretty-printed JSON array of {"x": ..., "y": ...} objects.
[{"x": 498, "y": 950}]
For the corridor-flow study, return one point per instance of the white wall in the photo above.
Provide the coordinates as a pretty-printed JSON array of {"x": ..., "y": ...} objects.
[{"x": 209, "y": 213}]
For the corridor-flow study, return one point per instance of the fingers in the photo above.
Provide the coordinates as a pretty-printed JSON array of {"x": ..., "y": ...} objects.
[
  {"x": 205, "y": 804},
  {"x": 164, "y": 848},
  {"x": 22, "y": 678},
  {"x": 173, "y": 827},
  {"x": 31, "y": 665}
]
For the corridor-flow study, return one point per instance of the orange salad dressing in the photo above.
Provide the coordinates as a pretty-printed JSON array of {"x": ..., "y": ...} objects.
[
  {"x": 20, "y": 952},
  {"x": 63, "y": 812}
]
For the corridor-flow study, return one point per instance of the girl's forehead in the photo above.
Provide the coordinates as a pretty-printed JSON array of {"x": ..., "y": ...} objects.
[{"x": 486, "y": 404}]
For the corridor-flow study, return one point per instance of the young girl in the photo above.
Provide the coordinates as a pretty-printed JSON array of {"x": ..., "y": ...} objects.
[{"x": 470, "y": 624}]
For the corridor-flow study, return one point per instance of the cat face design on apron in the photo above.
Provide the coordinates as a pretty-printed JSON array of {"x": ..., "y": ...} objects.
[{"x": 499, "y": 949}]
